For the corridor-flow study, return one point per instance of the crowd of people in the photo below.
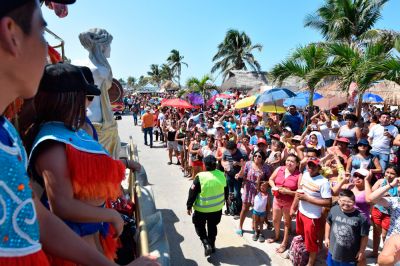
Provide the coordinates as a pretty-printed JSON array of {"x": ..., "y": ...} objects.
[{"x": 336, "y": 174}]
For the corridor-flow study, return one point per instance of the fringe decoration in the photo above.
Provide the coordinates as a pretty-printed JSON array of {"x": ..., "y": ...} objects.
[
  {"x": 94, "y": 176},
  {"x": 110, "y": 244},
  {"x": 35, "y": 259}
]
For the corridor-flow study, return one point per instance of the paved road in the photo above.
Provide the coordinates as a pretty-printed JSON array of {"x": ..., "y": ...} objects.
[{"x": 170, "y": 190}]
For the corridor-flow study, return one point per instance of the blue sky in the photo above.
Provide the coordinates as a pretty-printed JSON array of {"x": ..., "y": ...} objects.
[{"x": 146, "y": 31}]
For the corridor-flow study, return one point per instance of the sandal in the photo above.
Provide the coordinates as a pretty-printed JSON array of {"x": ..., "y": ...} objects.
[
  {"x": 272, "y": 240},
  {"x": 239, "y": 232},
  {"x": 255, "y": 236},
  {"x": 281, "y": 249}
]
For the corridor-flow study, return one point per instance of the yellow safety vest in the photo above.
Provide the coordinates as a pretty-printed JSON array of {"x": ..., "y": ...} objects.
[{"x": 211, "y": 197}]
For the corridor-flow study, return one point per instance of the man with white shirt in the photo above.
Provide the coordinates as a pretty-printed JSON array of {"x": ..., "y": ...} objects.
[
  {"x": 380, "y": 138},
  {"x": 315, "y": 194}
]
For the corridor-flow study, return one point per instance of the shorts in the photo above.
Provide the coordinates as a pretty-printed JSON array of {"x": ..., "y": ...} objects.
[
  {"x": 197, "y": 163},
  {"x": 179, "y": 148},
  {"x": 172, "y": 145},
  {"x": 381, "y": 219},
  {"x": 282, "y": 204},
  {"x": 331, "y": 262},
  {"x": 259, "y": 214},
  {"x": 308, "y": 228}
]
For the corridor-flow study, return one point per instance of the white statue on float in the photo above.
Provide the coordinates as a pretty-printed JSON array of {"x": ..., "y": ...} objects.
[{"x": 98, "y": 43}]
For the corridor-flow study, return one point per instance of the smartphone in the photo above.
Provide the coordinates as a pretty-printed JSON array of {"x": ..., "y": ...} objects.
[{"x": 385, "y": 130}]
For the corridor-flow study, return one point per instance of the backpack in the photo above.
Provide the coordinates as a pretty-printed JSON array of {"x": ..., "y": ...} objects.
[{"x": 298, "y": 254}]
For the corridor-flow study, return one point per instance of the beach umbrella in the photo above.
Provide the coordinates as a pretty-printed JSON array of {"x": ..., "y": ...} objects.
[
  {"x": 330, "y": 102},
  {"x": 224, "y": 96},
  {"x": 372, "y": 98},
  {"x": 245, "y": 102},
  {"x": 274, "y": 95},
  {"x": 301, "y": 99},
  {"x": 195, "y": 98},
  {"x": 211, "y": 100},
  {"x": 177, "y": 103},
  {"x": 272, "y": 109}
]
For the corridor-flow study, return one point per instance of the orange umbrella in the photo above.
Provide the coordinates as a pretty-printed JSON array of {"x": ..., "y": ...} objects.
[
  {"x": 177, "y": 103},
  {"x": 330, "y": 102}
]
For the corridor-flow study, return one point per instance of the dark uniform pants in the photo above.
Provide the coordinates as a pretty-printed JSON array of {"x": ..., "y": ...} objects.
[{"x": 212, "y": 219}]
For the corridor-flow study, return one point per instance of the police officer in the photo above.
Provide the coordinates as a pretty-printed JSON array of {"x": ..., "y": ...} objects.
[{"x": 207, "y": 197}]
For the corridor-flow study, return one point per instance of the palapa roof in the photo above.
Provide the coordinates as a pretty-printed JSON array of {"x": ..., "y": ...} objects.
[
  {"x": 388, "y": 90},
  {"x": 244, "y": 80}
]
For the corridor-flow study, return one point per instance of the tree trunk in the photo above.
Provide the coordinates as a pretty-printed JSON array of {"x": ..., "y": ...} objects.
[
  {"x": 359, "y": 104},
  {"x": 310, "y": 103}
]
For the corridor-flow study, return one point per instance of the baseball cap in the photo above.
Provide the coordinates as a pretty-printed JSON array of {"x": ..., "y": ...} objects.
[
  {"x": 288, "y": 129},
  {"x": 261, "y": 141},
  {"x": 259, "y": 128},
  {"x": 363, "y": 172},
  {"x": 313, "y": 160},
  {"x": 344, "y": 140},
  {"x": 87, "y": 73},
  {"x": 297, "y": 137},
  {"x": 6, "y": 6},
  {"x": 276, "y": 136},
  {"x": 63, "y": 77}
]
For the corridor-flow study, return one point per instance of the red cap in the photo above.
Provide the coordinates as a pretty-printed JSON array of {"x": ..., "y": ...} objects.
[
  {"x": 313, "y": 160},
  {"x": 276, "y": 136},
  {"x": 262, "y": 141},
  {"x": 345, "y": 140}
]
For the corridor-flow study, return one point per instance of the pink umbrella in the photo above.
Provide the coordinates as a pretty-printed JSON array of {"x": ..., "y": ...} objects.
[
  {"x": 211, "y": 101},
  {"x": 224, "y": 96},
  {"x": 177, "y": 103}
]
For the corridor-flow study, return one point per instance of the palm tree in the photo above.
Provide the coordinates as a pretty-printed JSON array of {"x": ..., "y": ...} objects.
[
  {"x": 131, "y": 82},
  {"x": 201, "y": 86},
  {"x": 174, "y": 60},
  {"x": 166, "y": 72},
  {"x": 346, "y": 20},
  {"x": 391, "y": 67},
  {"x": 307, "y": 63},
  {"x": 235, "y": 53},
  {"x": 363, "y": 66},
  {"x": 142, "y": 81},
  {"x": 155, "y": 75}
]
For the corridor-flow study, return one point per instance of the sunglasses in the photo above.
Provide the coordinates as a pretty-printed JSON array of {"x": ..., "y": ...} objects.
[
  {"x": 90, "y": 98},
  {"x": 257, "y": 156}
]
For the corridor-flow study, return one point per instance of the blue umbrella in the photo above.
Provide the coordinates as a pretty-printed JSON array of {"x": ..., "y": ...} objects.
[
  {"x": 274, "y": 95},
  {"x": 372, "y": 98},
  {"x": 301, "y": 99}
]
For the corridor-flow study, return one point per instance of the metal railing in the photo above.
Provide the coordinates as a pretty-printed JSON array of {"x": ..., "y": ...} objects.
[{"x": 136, "y": 194}]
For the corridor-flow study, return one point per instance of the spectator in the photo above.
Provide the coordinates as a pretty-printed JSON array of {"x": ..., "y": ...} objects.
[
  {"x": 285, "y": 181},
  {"x": 315, "y": 194},
  {"x": 380, "y": 138},
  {"x": 147, "y": 126},
  {"x": 346, "y": 232},
  {"x": 293, "y": 119}
]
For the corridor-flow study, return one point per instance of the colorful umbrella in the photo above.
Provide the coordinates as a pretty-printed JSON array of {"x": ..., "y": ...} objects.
[
  {"x": 246, "y": 102},
  {"x": 195, "y": 98},
  {"x": 372, "y": 98},
  {"x": 274, "y": 95},
  {"x": 224, "y": 96},
  {"x": 177, "y": 103},
  {"x": 272, "y": 109},
  {"x": 301, "y": 99},
  {"x": 330, "y": 102}
]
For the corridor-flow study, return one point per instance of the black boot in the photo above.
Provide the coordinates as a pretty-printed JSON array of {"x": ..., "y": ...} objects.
[
  {"x": 207, "y": 248},
  {"x": 212, "y": 247}
]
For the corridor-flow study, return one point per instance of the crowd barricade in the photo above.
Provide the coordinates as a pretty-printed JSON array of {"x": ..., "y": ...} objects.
[{"x": 150, "y": 236}]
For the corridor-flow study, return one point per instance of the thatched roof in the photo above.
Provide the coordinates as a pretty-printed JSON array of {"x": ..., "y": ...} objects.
[
  {"x": 169, "y": 86},
  {"x": 388, "y": 90},
  {"x": 244, "y": 80}
]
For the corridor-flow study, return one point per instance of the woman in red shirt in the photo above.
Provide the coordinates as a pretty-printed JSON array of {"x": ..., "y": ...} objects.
[{"x": 284, "y": 182}]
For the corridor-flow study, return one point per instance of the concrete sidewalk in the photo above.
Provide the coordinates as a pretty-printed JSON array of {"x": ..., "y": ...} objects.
[{"x": 170, "y": 192}]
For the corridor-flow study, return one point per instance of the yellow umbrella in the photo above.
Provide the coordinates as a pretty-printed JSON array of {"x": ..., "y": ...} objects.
[
  {"x": 245, "y": 102},
  {"x": 272, "y": 109}
]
